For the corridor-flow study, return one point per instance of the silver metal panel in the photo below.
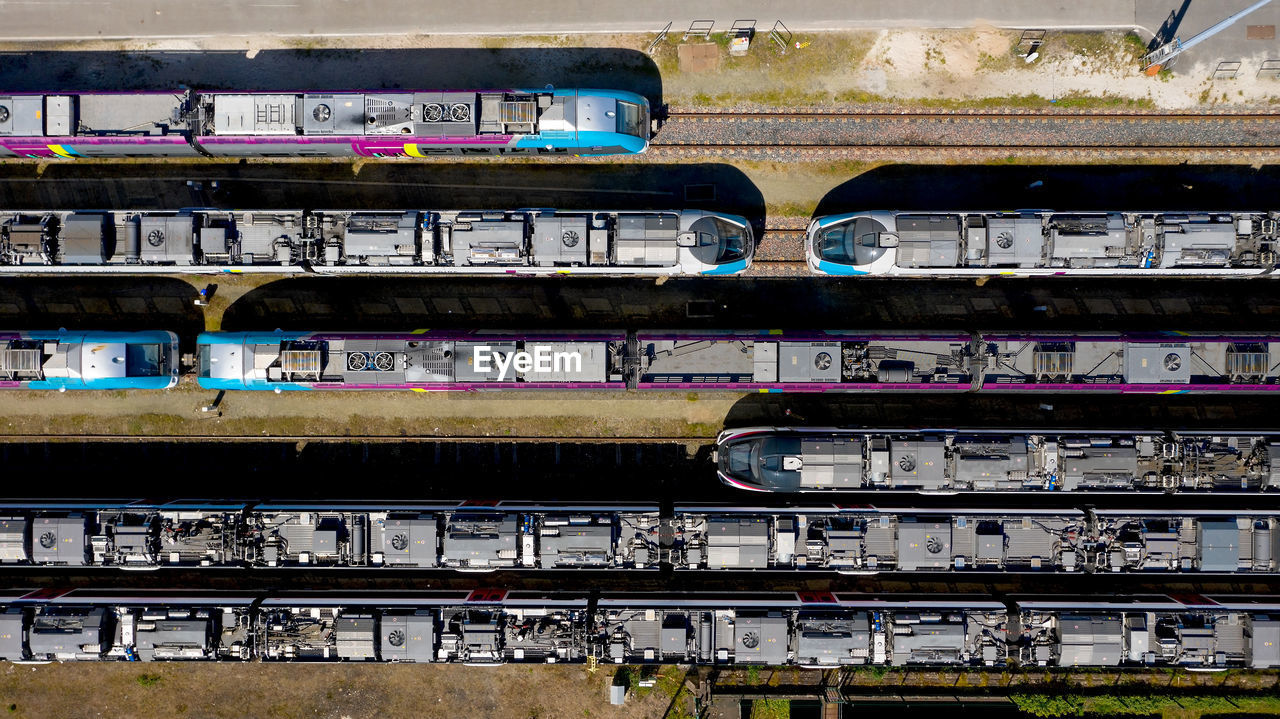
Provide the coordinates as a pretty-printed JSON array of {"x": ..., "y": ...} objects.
[
  {"x": 11, "y": 634},
  {"x": 1265, "y": 649},
  {"x": 409, "y": 541},
  {"x": 172, "y": 638},
  {"x": 559, "y": 240},
  {"x": 1219, "y": 545},
  {"x": 1157, "y": 363},
  {"x": 760, "y": 639},
  {"x": 407, "y": 638},
  {"x": 58, "y": 540},
  {"x": 13, "y": 539},
  {"x": 354, "y": 635},
  {"x": 809, "y": 361},
  {"x": 338, "y": 114},
  {"x": 924, "y": 545},
  {"x": 1016, "y": 242}
]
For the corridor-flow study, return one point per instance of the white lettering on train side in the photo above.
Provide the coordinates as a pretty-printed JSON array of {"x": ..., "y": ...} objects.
[{"x": 540, "y": 361}]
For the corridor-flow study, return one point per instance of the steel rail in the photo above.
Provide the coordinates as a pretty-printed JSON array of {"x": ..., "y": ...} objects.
[
  {"x": 657, "y": 147},
  {"x": 980, "y": 115},
  {"x": 878, "y": 130}
]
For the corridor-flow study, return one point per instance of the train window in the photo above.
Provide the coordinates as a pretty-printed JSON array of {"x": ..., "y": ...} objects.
[
  {"x": 633, "y": 119},
  {"x": 552, "y": 150},
  {"x": 275, "y": 154},
  {"x": 477, "y": 151},
  {"x": 514, "y": 150},
  {"x": 312, "y": 153}
]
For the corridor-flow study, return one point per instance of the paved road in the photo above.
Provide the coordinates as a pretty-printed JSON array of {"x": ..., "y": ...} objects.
[
  {"x": 180, "y": 18},
  {"x": 136, "y": 19}
]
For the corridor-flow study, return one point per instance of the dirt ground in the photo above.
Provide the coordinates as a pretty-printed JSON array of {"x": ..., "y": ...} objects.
[
  {"x": 333, "y": 691},
  {"x": 965, "y": 67},
  {"x": 443, "y": 414}
]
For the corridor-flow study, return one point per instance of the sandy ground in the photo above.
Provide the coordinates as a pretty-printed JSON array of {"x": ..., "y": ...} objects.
[
  {"x": 972, "y": 65},
  {"x": 983, "y": 62}
]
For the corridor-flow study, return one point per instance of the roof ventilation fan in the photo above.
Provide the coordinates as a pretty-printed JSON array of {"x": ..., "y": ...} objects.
[
  {"x": 933, "y": 544},
  {"x": 751, "y": 640},
  {"x": 395, "y": 638},
  {"x": 357, "y": 361},
  {"x": 155, "y": 238},
  {"x": 1172, "y": 362},
  {"x": 400, "y": 542},
  {"x": 460, "y": 112},
  {"x": 48, "y": 539},
  {"x": 322, "y": 113},
  {"x": 570, "y": 238},
  {"x": 432, "y": 112},
  {"x": 4, "y": 114},
  {"x": 822, "y": 360},
  {"x": 384, "y": 361},
  {"x": 1004, "y": 240},
  {"x": 906, "y": 464}
]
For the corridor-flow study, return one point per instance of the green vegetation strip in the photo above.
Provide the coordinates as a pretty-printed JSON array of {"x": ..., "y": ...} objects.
[{"x": 1179, "y": 705}]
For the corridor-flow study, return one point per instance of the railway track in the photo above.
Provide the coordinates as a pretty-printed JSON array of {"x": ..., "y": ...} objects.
[{"x": 1113, "y": 133}]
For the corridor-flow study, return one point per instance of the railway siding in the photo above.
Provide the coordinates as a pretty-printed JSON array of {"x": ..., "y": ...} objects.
[
  {"x": 969, "y": 136},
  {"x": 975, "y": 130}
]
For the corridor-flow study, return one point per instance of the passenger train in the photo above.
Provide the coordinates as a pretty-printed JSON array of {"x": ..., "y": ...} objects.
[
  {"x": 804, "y": 459},
  {"x": 1044, "y": 244},
  {"x": 488, "y": 627},
  {"x": 64, "y": 360},
  {"x": 502, "y": 242},
  {"x": 690, "y": 537},
  {"x": 766, "y": 360},
  {"x": 360, "y": 123}
]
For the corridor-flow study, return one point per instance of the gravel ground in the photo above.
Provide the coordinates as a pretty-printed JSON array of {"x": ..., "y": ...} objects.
[
  {"x": 781, "y": 246},
  {"x": 971, "y": 131}
]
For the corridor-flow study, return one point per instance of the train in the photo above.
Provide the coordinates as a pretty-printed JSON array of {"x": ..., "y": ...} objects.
[
  {"x": 816, "y": 459},
  {"x": 1043, "y": 243},
  {"x": 756, "y": 360},
  {"x": 344, "y": 242},
  {"x": 96, "y": 360},
  {"x": 523, "y": 536},
  {"x": 326, "y": 123},
  {"x": 499, "y": 626}
]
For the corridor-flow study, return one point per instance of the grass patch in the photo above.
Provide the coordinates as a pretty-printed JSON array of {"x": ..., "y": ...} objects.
[
  {"x": 1091, "y": 43},
  {"x": 149, "y": 680},
  {"x": 670, "y": 682},
  {"x": 771, "y": 709},
  {"x": 1072, "y": 100},
  {"x": 1000, "y": 63},
  {"x": 1195, "y": 705},
  {"x": 774, "y": 75},
  {"x": 1134, "y": 45},
  {"x": 791, "y": 209}
]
